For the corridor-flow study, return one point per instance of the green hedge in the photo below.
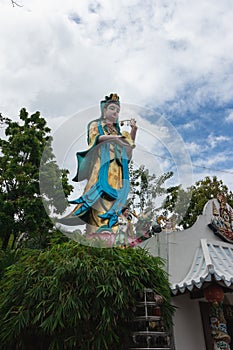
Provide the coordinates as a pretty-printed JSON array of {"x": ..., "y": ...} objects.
[{"x": 76, "y": 297}]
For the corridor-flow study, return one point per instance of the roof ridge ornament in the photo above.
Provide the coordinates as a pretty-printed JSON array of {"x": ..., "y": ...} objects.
[{"x": 222, "y": 220}]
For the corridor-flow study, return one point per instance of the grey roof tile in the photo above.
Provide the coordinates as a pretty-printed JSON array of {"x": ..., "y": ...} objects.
[{"x": 211, "y": 259}]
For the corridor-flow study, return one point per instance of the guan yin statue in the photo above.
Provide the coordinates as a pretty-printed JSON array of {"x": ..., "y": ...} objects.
[{"x": 105, "y": 166}]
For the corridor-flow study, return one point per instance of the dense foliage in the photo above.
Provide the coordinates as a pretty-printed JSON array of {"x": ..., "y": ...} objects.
[
  {"x": 22, "y": 210},
  {"x": 197, "y": 195},
  {"x": 76, "y": 297}
]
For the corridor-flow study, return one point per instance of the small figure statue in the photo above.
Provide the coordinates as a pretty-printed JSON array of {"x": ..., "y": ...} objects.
[{"x": 125, "y": 233}]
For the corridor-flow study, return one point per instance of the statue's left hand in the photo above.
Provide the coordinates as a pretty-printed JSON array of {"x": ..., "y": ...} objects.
[{"x": 133, "y": 123}]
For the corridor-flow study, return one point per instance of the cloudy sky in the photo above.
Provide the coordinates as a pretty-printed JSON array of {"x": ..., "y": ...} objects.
[{"x": 171, "y": 58}]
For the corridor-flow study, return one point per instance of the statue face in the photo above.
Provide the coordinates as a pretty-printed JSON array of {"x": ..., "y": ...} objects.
[
  {"x": 111, "y": 113},
  {"x": 126, "y": 212}
]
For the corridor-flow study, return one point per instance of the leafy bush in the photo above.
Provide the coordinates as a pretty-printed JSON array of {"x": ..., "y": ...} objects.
[
  {"x": 7, "y": 258},
  {"x": 76, "y": 297}
]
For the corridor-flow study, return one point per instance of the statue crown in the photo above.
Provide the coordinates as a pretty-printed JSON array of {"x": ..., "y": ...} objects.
[{"x": 113, "y": 97}]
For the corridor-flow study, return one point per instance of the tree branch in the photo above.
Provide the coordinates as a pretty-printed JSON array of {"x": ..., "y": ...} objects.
[{"x": 14, "y": 3}]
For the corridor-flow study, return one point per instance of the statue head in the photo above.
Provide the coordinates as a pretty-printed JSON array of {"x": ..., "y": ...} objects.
[{"x": 113, "y": 98}]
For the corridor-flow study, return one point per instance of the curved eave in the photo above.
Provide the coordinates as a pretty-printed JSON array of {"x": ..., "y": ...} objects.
[{"x": 212, "y": 260}]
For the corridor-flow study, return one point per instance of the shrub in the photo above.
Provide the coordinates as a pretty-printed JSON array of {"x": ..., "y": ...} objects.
[{"x": 76, "y": 297}]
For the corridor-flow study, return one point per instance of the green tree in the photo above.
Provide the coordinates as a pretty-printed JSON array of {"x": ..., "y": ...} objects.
[
  {"x": 77, "y": 297},
  {"x": 22, "y": 209},
  {"x": 196, "y": 196},
  {"x": 146, "y": 188}
]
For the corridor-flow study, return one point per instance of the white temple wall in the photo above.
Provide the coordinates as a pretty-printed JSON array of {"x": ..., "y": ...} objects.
[{"x": 188, "y": 331}]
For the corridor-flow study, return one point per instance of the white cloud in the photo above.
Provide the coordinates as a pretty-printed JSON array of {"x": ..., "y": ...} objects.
[
  {"x": 229, "y": 117},
  {"x": 188, "y": 126},
  {"x": 61, "y": 57},
  {"x": 211, "y": 166},
  {"x": 194, "y": 148},
  {"x": 212, "y": 161},
  {"x": 148, "y": 53},
  {"x": 214, "y": 140},
  {"x": 227, "y": 178}
]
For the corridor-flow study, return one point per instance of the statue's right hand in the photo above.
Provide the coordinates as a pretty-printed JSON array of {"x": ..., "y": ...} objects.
[{"x": 121, "y": 140}]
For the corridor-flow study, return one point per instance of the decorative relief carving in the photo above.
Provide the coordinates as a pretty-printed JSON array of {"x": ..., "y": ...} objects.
[{"x": 222, "y": 219}]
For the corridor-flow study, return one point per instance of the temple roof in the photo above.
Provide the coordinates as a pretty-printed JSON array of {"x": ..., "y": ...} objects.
[{"x": 211, "y": 260}]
